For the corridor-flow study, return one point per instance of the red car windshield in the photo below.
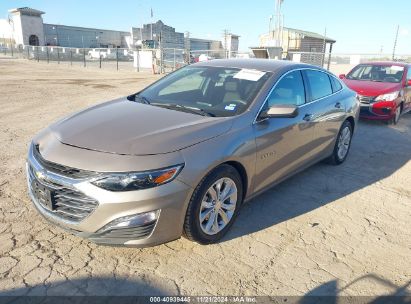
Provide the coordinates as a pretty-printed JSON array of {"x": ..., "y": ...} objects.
[{"x": 378, "y": 73}]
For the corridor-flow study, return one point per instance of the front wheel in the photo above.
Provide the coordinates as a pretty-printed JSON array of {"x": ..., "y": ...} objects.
[
  {"x": 342, "y": 145},
  {"x": 397, "y": 116},
  {"x": 214, "y": 206}
]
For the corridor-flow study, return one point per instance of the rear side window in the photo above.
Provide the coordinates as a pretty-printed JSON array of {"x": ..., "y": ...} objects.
[
  {"x": 289, "y": 90},
  {"x": 320, "y": 84},
  {"x": 335, "y": 83}
]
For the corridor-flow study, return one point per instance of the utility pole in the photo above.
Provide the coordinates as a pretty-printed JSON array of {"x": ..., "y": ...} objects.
[
  {"x": 187, "y": 47},
  {"x": 278, "y": 22},
  {"x": 395, "y": 42},
  {"x": 270, "y": 32},
  {"x": 152, "y": 15},
  {"x": 225, "y": 34},
  {"x": 324, "y": 47}
]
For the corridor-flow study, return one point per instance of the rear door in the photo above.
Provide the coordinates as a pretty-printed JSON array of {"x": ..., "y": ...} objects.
[{"x": 327, "y": 108}]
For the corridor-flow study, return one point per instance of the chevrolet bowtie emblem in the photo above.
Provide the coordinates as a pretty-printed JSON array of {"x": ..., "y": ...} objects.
[{"x": 40, "y": 175}]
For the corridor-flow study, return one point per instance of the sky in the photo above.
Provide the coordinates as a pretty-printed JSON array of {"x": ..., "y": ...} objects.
[{"x": 359, "y": 26}]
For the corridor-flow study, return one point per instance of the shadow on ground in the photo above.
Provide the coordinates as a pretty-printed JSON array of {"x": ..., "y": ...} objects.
[
  {"x": 100, "y": 286},
  {"x": 330, "y": 293},
  {"x": 377, "y": 152}
]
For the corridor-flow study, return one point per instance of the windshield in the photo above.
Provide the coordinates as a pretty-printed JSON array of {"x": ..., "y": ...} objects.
[
  {"x": 378, "y": 73},
  {"x": 211, "y": 91}
]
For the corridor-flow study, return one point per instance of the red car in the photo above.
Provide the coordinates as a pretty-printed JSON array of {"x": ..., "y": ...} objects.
[{"x": 383, "y": 88}]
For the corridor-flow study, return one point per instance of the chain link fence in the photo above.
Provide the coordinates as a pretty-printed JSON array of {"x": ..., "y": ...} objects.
[
  {"x": 158, "y": 60},
  {"x": 166, "y": 60}
]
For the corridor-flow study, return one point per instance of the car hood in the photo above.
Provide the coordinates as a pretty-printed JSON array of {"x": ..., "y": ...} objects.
[
  {"x": 372, "y": 88},
  {"x": 129, "y": 128}
]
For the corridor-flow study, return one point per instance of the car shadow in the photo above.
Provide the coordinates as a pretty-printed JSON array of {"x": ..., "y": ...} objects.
[
  {"x": 90, "y": 287},
  {"x": 330, "y": 292},
  {"x": 378, "y": 150}
]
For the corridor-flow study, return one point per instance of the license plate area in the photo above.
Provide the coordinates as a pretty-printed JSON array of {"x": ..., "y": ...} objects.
[{"x": 43, "y": 194}]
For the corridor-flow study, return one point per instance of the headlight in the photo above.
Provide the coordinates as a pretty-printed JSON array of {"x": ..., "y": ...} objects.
[
  {"x": 132, "y": 181},
  {"x": 388, "y": 97}
]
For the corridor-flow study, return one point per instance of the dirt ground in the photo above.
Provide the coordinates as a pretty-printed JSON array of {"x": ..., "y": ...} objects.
[{"x": 327, "y": 231}]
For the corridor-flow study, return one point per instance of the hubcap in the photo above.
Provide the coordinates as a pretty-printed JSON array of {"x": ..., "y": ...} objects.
[
  {"x": 344, "y": 143},
  {"x": 218, "y": 206}
]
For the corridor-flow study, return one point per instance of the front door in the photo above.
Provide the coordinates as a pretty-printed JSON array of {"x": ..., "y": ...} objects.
[{"x": 284, "y": 144}]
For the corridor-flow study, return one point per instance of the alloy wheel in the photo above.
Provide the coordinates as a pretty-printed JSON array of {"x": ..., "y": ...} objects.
[
  {"x": 344, "y": 142},
  {"x": 218, "y": 206}
]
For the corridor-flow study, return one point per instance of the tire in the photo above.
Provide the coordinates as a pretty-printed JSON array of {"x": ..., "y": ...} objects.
[
  {"x": 201, "y": 204},
  {"x": 337, "y": 158},
  {"x": 397, "y": 116}
]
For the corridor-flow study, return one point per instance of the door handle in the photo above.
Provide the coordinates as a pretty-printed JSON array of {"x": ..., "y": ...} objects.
[
  {"x": 338, "y": 105},
  {"x": 308, "y": 117}
]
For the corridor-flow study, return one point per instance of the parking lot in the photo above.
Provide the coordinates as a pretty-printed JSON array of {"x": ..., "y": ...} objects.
[{"x": 326, "y": 231}]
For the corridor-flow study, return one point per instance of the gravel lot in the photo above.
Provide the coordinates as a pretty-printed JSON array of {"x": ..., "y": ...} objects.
[{"x": 327, "y": 231}]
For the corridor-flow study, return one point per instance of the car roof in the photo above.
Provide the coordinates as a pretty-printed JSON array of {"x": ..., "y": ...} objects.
[
  {"x": 265, "y": 65},
  {"x": 403, "y": 64}
]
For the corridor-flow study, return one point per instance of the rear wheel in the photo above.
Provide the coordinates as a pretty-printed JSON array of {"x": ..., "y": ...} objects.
[
  {"x": 214, "y": 206},
  {"x": 342, "y": 145}
]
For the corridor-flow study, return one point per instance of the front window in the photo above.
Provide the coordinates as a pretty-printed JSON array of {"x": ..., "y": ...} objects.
[
  {"x": 377, "y": 73},
  {"x": 215, "y": 91}
]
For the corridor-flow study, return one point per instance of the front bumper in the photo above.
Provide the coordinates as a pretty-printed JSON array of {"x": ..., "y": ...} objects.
[
  {"x": 378, "y": 111},
  {"x": 170, "y": 200},
  {"x": 368, "y": 111}
]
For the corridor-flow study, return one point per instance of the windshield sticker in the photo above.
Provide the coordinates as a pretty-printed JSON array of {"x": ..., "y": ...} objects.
[
  {"x": 251, "y": 75},
  {"x": 397, "y": 68},
  {"x": 230, "y": 107}
]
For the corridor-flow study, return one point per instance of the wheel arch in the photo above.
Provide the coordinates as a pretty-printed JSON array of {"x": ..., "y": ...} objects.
[
  {"x": 241, "y": 171},
  {"x": 351, "y": 120}
]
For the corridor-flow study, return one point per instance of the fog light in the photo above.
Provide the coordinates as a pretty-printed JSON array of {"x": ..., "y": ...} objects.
[
  {"x": 131, "y": 221},
  {"x": 386, "y": 110}
]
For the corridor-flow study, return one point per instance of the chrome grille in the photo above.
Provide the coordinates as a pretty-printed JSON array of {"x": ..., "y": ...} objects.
[
  {"x": 73, "y": 205},
  {"x": 60, "y": 169},
  {"x": 68, "y": 204},
  {"x": 366, "y": 99}
]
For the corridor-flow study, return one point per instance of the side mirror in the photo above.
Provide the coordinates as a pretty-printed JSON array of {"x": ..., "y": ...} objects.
[
  {"x": 342, "y": 76},
  {"x": 408, "y": 83},
  {"x": 280, "y": 111}
]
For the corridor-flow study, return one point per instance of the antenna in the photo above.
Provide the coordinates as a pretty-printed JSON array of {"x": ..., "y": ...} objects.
[{"x": 395, "y": 42}]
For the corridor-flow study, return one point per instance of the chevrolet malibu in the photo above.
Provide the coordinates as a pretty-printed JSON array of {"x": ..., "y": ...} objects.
[
  {"x": 181, "y": 156},
  {"x": 384, "y": 89}
]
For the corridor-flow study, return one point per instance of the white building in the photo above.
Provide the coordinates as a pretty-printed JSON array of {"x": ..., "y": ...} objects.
[{"x": 25, "y": 26}]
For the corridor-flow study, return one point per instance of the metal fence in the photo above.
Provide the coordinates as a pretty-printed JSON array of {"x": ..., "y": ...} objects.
[
  {"x": 169, "y": 59},
  {"x": 160, "y": 60},
  {"x": 100, "y": 58}
]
